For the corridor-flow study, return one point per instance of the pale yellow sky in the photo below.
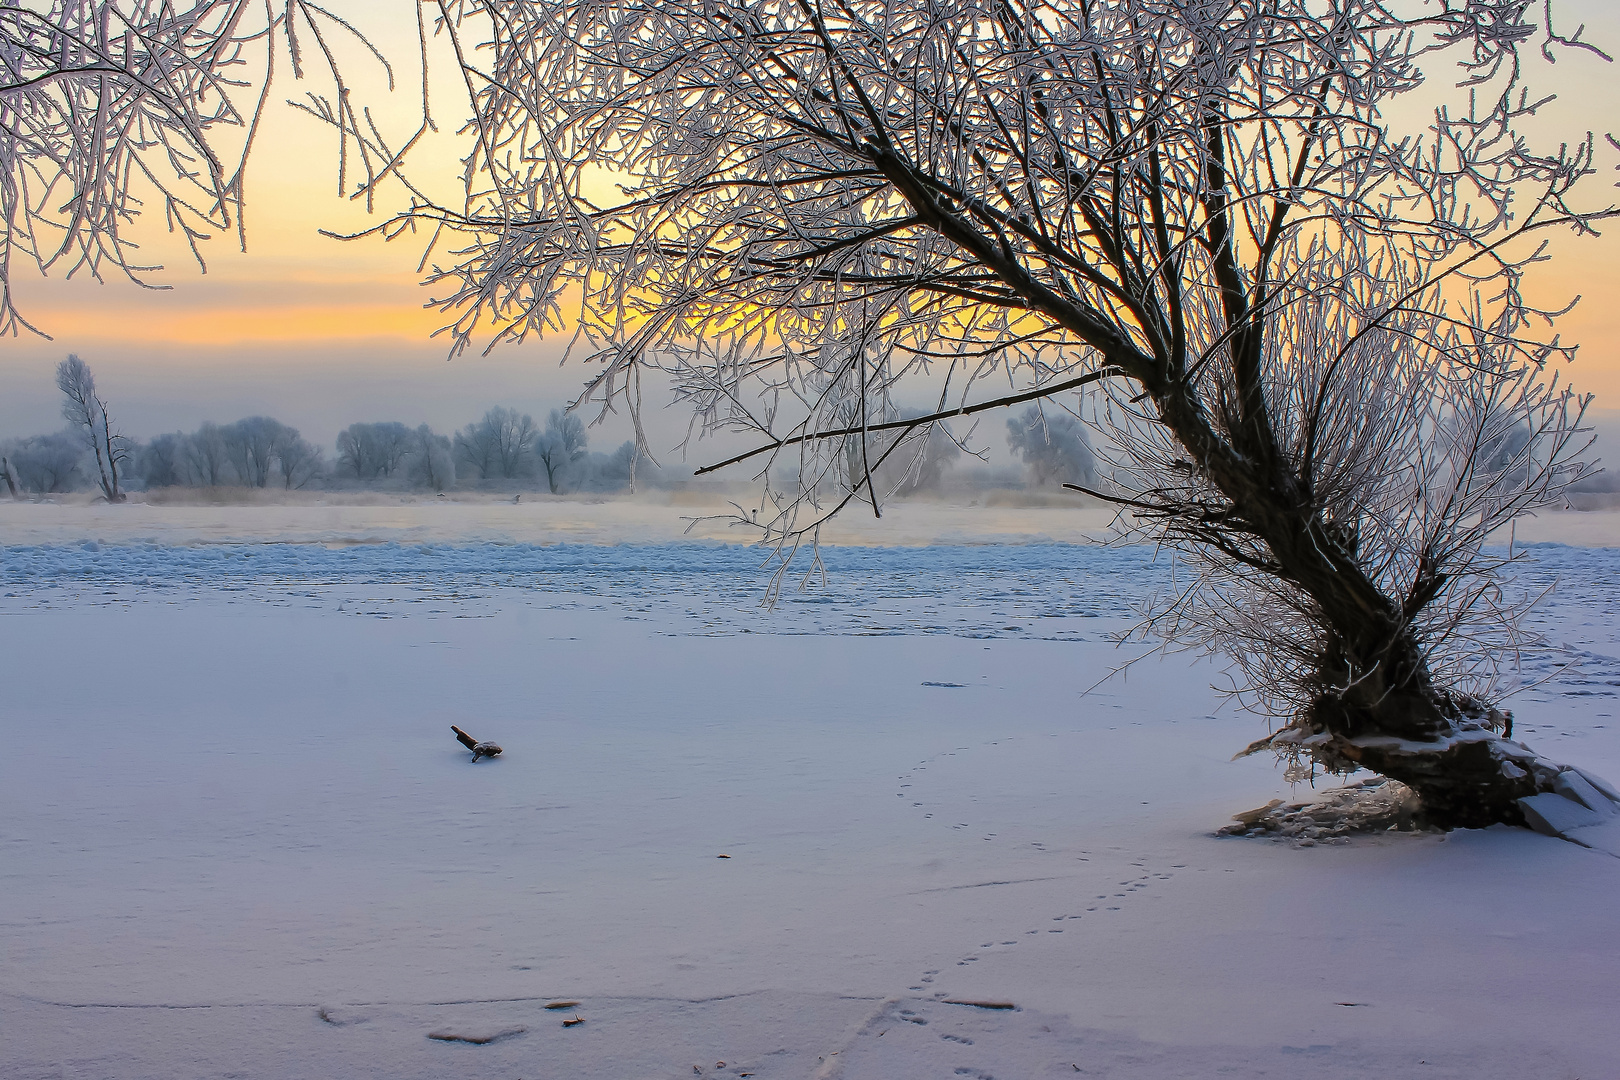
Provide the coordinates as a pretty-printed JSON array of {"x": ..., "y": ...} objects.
[{"x": 322, "y": 333}]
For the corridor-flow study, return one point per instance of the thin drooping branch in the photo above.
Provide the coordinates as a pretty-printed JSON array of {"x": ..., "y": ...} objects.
[{"x": 907, "y": 426}]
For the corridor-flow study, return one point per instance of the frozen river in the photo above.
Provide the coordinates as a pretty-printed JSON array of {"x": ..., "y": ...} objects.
[{"x": 237, "y": 838}]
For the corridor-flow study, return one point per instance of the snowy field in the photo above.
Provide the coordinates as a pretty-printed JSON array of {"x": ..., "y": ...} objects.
[{"x": 238, "y": 839}]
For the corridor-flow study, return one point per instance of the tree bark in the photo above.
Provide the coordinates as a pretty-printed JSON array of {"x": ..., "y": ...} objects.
[
  {"x": 1377, "y": 706},
  {"x": 1468, "y": 779}
]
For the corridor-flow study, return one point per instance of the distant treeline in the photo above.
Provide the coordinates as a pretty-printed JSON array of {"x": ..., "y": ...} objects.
[{"x": 504, "y": 449}]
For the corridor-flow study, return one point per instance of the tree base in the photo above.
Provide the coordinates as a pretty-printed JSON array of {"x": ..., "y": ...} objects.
[
  {"x": 1373, "y": 807},
  {"x": 1469, "y": 777},
  {"x": 1474, "y": 778}
]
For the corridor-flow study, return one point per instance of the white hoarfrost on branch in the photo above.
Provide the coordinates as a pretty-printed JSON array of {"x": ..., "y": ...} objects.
[
  {"x": 89, "y": 420},
  {"x": 114, "y": 108}
]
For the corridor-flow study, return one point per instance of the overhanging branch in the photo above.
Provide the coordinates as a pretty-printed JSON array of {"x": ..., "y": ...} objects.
[{"x": 983, "y": 406}]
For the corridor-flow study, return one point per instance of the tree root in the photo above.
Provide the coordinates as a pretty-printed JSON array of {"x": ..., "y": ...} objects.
[
  {"x": 1374, "y": 806},
  {"x": 1471, "y": 777}
]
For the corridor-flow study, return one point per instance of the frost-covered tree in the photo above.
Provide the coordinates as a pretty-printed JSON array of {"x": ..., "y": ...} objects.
[
  {"x": 298, "y": 461},
  {"x": 500, "y": 446},
  {"x": 1053, "y": 446},
  {"x": 477, "y": 448},
  {"x": 253, "y": 452},
  {"x": 208, "y": 456},
  {"x": 161, "y": 462},
  {"x": 432, "y": 461},
  {"x": 560, "y": 448},
  {"x": 45, "y": 464},
  {"x": 373, "y": 451},
  {"x": 86, "y": 414},
  {"x": 112, "y": 108},
  {"x": 615, "y": 471},
  {"x": 1285, "y": 260},
  {"x": 251, "y": 445}
]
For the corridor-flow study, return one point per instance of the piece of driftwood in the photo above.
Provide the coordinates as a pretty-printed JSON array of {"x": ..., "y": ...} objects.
[{"x": 479, "y": 749}]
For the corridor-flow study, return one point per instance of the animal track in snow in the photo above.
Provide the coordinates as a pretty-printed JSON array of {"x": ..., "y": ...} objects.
[{"x": 1140, "y": 884}]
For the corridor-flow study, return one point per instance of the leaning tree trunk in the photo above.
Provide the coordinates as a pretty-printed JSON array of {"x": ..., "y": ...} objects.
[
  {"x": 1375, "y": 705},
  {"x": 1444, "y": 746}
]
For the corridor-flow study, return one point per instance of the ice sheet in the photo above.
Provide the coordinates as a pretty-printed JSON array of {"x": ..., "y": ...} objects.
[{"x": 230, "y": 799}]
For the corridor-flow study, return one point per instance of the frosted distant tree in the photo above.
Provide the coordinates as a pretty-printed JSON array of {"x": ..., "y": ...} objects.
[
  {"x": 432, "y": 461},
  {"x": 515, "y": 438},
  {"x": 1053, "y": 446},
  {"x": 112, "y": 108},
  {"x": 500, "y": 446},
  {"x": 86, "y": 414},
  {"x": 918, "y": 463},
  {"x": 477, "y": 448},
  {"x": 374, "y": 451},
  {"x": 253, "y": 452},
  {"x": 251, "y": 445},
  {"x": 162, "y": 461},
  {"x": 925, "y": 468},
  {"x": 208, "y": 456},
  {"x": 560, "y": 448},
  {"x": 1505, "y": 450},
  {"x": 1299, "y": 318},
  {"x": 298, "y": 461},
  {"x": 615, "y": 471},
  {"x": 45, "y": 464},
  {"x": 599, "y": 472},
  {"x": 899, "y": 459}
]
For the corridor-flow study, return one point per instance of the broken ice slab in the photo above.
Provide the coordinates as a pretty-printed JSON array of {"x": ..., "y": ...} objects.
[
  {"x": 1553, "y": 814},
  {"x": 1572, "y": 785},
  {"x": 1601, "y": 784}
]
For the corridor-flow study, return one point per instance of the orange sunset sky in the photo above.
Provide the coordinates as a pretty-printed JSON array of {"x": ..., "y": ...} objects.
[{"x": 321, "y": 333}]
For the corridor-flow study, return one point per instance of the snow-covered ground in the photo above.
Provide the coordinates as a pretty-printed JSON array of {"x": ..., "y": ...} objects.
[{"x": 237, "y": 837}]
